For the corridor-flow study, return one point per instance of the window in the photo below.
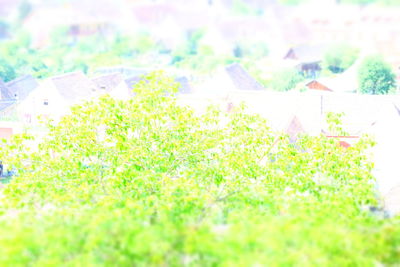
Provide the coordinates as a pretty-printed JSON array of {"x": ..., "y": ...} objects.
[{"x": 45, "y": 102}]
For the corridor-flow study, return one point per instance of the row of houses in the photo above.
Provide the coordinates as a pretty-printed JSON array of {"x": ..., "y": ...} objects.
[{"x": 24, "y": 100}]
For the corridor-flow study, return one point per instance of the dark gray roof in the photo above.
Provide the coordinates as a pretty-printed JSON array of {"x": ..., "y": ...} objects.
[
  {"x": 22, "y": 86},
  {"x": 108, "y": 82},
  {"x": 74, "y": 86},
  {"x": 306, "y": 53},
  {"x": 4, "y": 104},
  {"x": 242, "y": 79},
  {"x": 131, "y": 81},
  {"x": 184, "y": 85},
  {"x": 126, "y": 71},
  {"x": 294, "y": 129},
  {"x": 5, "y": 93}
]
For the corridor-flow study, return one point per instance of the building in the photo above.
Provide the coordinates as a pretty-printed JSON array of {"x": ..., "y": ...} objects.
[
  {"x": 307, "y": 58},
  {"x": 54, "y": 97}
]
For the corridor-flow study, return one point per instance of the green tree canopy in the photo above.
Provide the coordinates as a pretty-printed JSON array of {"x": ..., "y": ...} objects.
[
  {"x": 7, "y": 71},
  {"x": 147, "y": 182},
  {"x": 375, "y": 76},
  {"x": 285, "y": 79},
  {"x": 339, "y": 57}
]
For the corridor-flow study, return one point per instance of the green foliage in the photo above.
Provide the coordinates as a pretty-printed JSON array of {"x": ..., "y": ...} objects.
[
  {"x": 358, "y": 2},
  {"x": 375, "y": 76},
  {"x": 381, "y": 2},
  {"x": 292, "y": 2},
  {"x": 143, "y": 43},
  {"x": 204, "y": 60},
  {"x": 334, "y": 124},
  {"x": 7, "y": 72},
  {"x": 146, "y": 182},
  {"x": 251, "y": 50},
  {"x": 240, "y": 7},
  {"x": 340, "y": 57},
  {"x": 285, "y": 79},
  {"x": 25, "y": 8}
]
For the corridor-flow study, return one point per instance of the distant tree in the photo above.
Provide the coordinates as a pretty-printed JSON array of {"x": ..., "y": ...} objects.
[
  {"x": 292, "y": 2},
  {"x": 358, "y": 2},
  {"x": 241, "y": 7},
  {"x": 25, "y": 8},
  {"x": 254, "y": 50},
  {"x": 375, "y": 76},
  {"x": 285, "y": 80},
  {"x": 7, "y": 72},
  {"x": 339, "y": 57}
]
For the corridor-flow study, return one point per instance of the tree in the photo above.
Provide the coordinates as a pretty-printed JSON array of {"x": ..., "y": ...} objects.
[
  {"x": 147, "y": 182},
  {"x": 339, "y": 57},
  {"x": 254, "y": 50},
  {"x": 375, "y": 76},
  {"x": 7, "y": 72},
  {"x": 285, "y": 79}
]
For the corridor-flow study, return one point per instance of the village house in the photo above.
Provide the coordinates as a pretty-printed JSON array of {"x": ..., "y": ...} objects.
[
  {"x": 79, "y": 18},
  {"x": 54, "y": 96},
  {"x": 21, "y": 87},
  {"x": 230, "y": 78},
  {"x": 307, "y": 59},
  {"x": 183, "y": 81},
  {"x": 5, "y": 93},
  {"x": 7, "y": 108},
  {"x": 318, "y": 85},
  {"x": 124, "y": 70},
  {"x": 112, "y": 84}
]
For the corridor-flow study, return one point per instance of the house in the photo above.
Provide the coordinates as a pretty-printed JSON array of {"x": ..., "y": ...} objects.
[
  {"x": 386, "y": 131},
  {"x": 184, "y": 85},
  {"x": 89, "y": 19},
  {"x": 183, "y": 81},
  {"x": 234, "y": 29},
  {"x": 108, "y": 82},
  {"x": 127, "y": 72},
  {"x": 339, "y": 84},
  {"x": 21, "y": 87},
  {"x": 5, "y": 93},
  {"x": 230, "y": 78},
  {"x": 6, "y": 132},
  {"x": 345, "y": 82},
  {"x": 241, "y": 78},
  {"x": 132, "y": 81},
  {"x": 54, "y": 96},
  {"x": 154, "y": 14},
  {"x": 8, "y": 128},
  {"x": 112, "y": 84},
  {"x": 9, "y": 8},
  {"x": 80, "y": 18},
  {"x": 74, "y": 86},
  {"x": 294, "y": 129},
  {"x": 217, "y": 42},
  {"x": 317, "y": 85},
  {"x": 307, "y": 58},
  {"x": 7, "y": 103},
  {"x": 362, "y": 113},
  {"x": 391, "y": 201}
]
